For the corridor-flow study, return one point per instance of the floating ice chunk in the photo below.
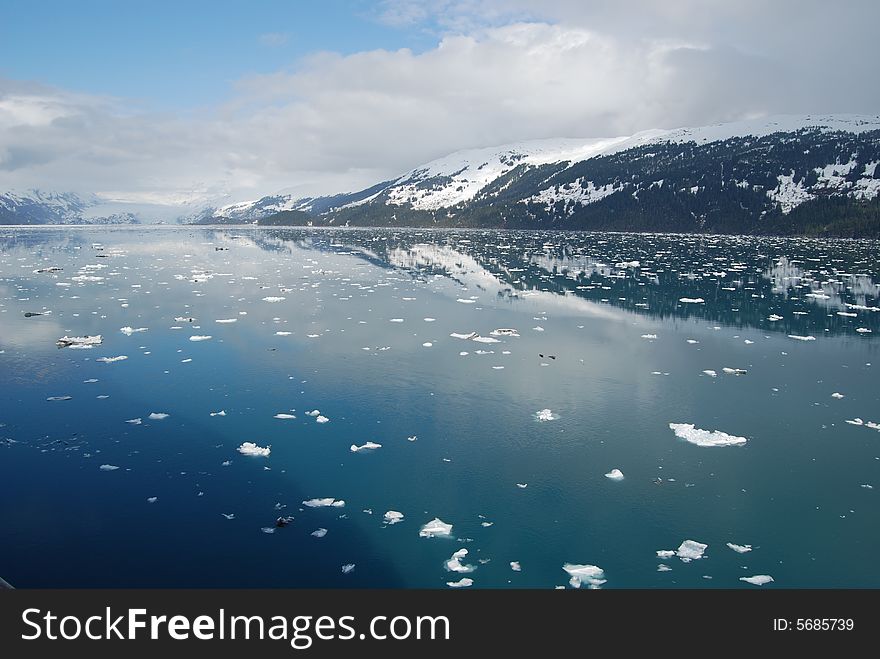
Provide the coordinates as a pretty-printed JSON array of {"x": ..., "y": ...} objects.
[
  {"x": 801, "y": 338},
  {"x": 319, "y": 533},
  {"x": 758, "y": 579},
  {"x": 158, "y": 416},
  {"x": 271, "y": 298},
  {"x": 705, "y": 438},
  {"x": 90, "y": 381},
  {"x": 110, "y": 360},
  {"x": 128, "y": 331},
  {"x": 692, "y": 300},
  {"x": 665, "y": 553},
  {"x": 748, "y": 342},
  {"x": 312, "y": 336},
  {"x": 692, "y": 341},
  {"x": 152, "y": 499},
  {"x": 184, "y": 319},
  {"x": 591, "y": 575},
  {"x": 134, "y": 422},
  {"x": 649, "y": 336},
  {"x": 268, "y": 529},
  {"x": 464, "y": 301},
  {"x": 485, "y": 339},
  {"x": 60, "y": 398},
  {"x": 470, "y": 335},
  {"x": 663, "y": 568},
  {"x": 412, "y": 438},
  {"x": 515, "y": 566},
  {"x": 464, "y": 582},
  {"x": 369, "y": 446},
  {"x": 429, "y": 320},
  {"x": 486, "y": 525},
  {"x": 427, "y": 344},
  {"x": 434, "y": 528},
  {"x": 739, "y": 549},
  {"x": 226, "y": 463},
  {"x": 690, "y": 550},
  {"x": 70, "y": 341},
  {"x": 710, "y": 373},
  {"x": 228, "y": 515},
  {"x": 522, "y": 486},
  {"x": 615, "y": 475},
  {"x": 348, "y": 567},
  {"x": 773, "y": 317},
  {"x": 313, "y": 413},
  {"x": 321, "y": 419},
  {"x": 538, "y": 328},
  {"x": 454, "y": 563},
  {"x": 327, "y": 502},
  {"x": 108, "y": 467},
  {"x": 396, "y": 320},
  {"x": 220, "y": 413},
  {"x": 837, "y": 395},
  {"x": 283, "y": 415},
  {"x": 734, "y": 371},
  {"x": 249, "y": 448},
  {"x": 200, "y": 337},
  {"x": 393, "y": 517},
  {"x": 855, "y": 422},
  {"x": 504, "y": 331},
  {"x": 282, "y": 333},
  {"x": 863, "y": 330},
  {"x": 546, "y": 415},
  {"x": 225, "y": 321}
]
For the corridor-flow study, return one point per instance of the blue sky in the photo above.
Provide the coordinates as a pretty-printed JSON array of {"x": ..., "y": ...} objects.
[
  {"x": 185, "y": 53},
  {"x": 192, "y": 102}
]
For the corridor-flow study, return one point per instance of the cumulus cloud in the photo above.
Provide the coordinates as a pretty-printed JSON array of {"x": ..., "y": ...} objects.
[{"x": 335, "y": 122}]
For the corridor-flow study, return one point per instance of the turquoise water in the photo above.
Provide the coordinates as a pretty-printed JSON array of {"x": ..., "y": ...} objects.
[{"x": 605, "y": 345}]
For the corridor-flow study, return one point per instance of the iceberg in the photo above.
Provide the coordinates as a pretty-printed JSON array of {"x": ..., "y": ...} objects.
[
  {"x": 515, "y": 566},
  {"x": 692, "y": 300},
  {"x": 328, "y": 502},
  {"x": 758, "y": 579},
  {"x": 801, "y": 338},
  {"x": 319, "y": 533},
  {"x": 591, "y": 575},
  {"x": 615, "y": 475},
  {"x": 392, "y": 517},
  {"x": 369, "y": 446},
  {"x": 546, "y": 415},
  {"x": 464, "y": 582},
  {"x": 110, "y": 360},
  {"x": 454, "y": 563},
  {"x": 198, "y": 337},
  {"x": 271, "y": 298},
  {"x": 249, "y": 448},
  {"x": 108, "y": 467},
  {"x": 705, "y": 438},
  {"x": 158, "y": 416},
  {"x": 128, "y": 331},
  {"x": 282, "y": 415},
  {"x": 690, "y": 550},
  {"x": 436, "y": 527},
  {"x": 79, "y": 341},
  {"x": 739, "y": 549}
]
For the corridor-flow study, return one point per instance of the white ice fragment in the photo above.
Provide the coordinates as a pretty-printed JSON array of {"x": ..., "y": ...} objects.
[
  {"x": 348, "y": 567},
  {"x": 220, "y": 413},
  {"x": 546, "y": 415},
  {"x": 758, "y": 579},
  {"x": 464, "y": 301},
  {"x": 427, "y": 344},
  {"x": 396, "y": 320},
  {"x": 313, "y": 413},
  {"x": 466, "y": 337},
  {"x": 690, "y": 550},
  {"x": 504, "y": 331},
  {"x": 710, "y": 373},
  {"x": 434, "y": 528},
  {"x": 283, "y": 415},
  {"x": 649, "y": 336},
  {"x": 110, "y": 360},
  {"x": 134, "y": 422},
  {"x": 663, "y": 568},
  {"x": 692, "y": 300},
  {"x": 128, "y": 331},
  {"x": 369, "y": 446},
  {"x": 152, "y": 499},
  {"x": 282, "y": 333},
  {"x": 319, "y": 533},
  {"x": 615, "y": 475},
  {"x": 271, "y": 298},
  {"x": 321, "y": 419},
  {"x": 327, "y": 502},
  {"x": 158, "y": 416},
  {"x": 454, "y": 563},
  {"x": 250, "y": 448},
  {"x": 226, "y": 321},
  {"x": 665, "y": 553},
  {"x": 591, "y": 575},
  {"x": 705, "y": 438},
  {"x": 734, "y": 371},
  {"x": 773, "y": 317},
  {"x": 740, "y": 549},
  {"x": 863, "y": 330},
  {"x": 837, "y": 395},
  {"x": 522, "y": 486},
  {"x": 200, "y": 337},
  {"x": 515, "y": 566},
  {"x": 108, "y": 467},
  {"x": 393, "y": 517},
  {"x": 801, "y": 338},
  {"x": 464, "y": 582}
]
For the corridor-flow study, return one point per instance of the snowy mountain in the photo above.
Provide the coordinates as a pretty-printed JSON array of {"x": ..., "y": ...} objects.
[{"x": 40, "y": 207}]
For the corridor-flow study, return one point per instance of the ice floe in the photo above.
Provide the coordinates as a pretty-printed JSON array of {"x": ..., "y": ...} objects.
[
  {"x": 690, "y": 550},
  {"x": 436, "y": 527},
  {"x": 705, "y": 438},
  {"x": 250, "y": 448},
  {"x": 692, "y": 300},
  {"x": 369, "y": 446},
  {"x": 108, "y": 467},
  {"x": 454, "y": 564},
  {"x": 515, "y": 566},
  {"x": 504, "y": 331},
  {"x": 321, "y": 419},
  {"x": 319, "y": 533},
  {"x": 135, "y": 422},
  {"x": 152, "y": 499},
  {"x": 837, "y": 395},
  {"x": 591, "y": 575},
  {"x": 200, "y": 337},
  {"x": 347, "y": 568},
  {"x": 758, "y": 579},
  {"x": 710, "y": 373},
  {"x": 158, "y": 416},
  {"x": 392, "y": 517},
  {"x": 79, "y": 341},
  {"x": 801, "y": 338},
  {"x": 220, "y": 413},
  {"x": 734, "y": 371},
  {"x": 615, "y": 475},
  {"x": 740, "y": 549},
  {"x": 225, "y": 321},
  {"x": 128, "y": 331},
  {"x": 327, "y": 502},
  {"x": 283, "y": 415},
  {"x": 546, "y": 415},
  {"x": 464, "y": 582},
  {"x": 274, "y": 298},
  {"x": 110, "y": 360}
]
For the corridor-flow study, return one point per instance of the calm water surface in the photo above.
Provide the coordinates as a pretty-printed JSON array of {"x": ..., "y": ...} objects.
[{"x": 349, "y": 332}]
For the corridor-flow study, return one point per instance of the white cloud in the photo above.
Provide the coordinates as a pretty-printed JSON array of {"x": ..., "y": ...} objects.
[{"x": 333, "y": 122}]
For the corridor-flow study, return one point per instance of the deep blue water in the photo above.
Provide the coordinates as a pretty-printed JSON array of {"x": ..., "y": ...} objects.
[{"x": 800, "y": 490}]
